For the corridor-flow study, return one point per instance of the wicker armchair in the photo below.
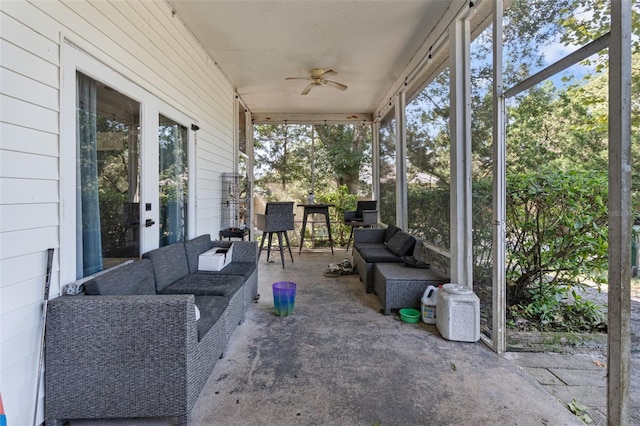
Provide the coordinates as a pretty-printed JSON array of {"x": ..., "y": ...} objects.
[
  {"x": 365, "y": 215},
  {"x": 278, "y": 219}
]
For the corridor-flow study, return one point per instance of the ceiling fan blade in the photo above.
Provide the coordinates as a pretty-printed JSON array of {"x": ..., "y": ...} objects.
[
  {"x": 297, "y": 78},
  {"x": 307, "y": 89},
  {"x": 327, "y": 73},
  {"x": 335, "y": 84}
]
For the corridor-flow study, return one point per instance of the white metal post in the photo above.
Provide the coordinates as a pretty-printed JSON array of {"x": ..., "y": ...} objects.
[
  {"x": 250, "y": 176},
  {"x": 498, "y": 336},
  {"x": 401, "y": 163},
  {"x": 375, "y": 162},
  {"x": 460, "y": 124}
]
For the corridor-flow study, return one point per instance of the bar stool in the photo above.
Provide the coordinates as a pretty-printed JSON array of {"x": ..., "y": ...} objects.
[{"x": 278, "y": 219}]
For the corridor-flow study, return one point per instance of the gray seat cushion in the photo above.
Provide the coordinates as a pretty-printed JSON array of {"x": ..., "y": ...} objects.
[
  {"x": 193, "y": 248},
  {"x": 206, "y": 285},
  {"x": 133, "y": 279},
  {"x": 242, "y": 269},
  {"x": 373, "y": 255},
  {"x": 211, "y": 309}
]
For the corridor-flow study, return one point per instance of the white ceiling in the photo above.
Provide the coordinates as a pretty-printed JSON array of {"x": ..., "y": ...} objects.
[{"x": 258, "y": 43}]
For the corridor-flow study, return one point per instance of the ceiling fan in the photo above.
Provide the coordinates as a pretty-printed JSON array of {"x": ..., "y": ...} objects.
[{"x": 318, "y": 77}]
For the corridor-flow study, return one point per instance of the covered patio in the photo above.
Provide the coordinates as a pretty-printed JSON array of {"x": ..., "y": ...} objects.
[{"x": 214, "y": 69}]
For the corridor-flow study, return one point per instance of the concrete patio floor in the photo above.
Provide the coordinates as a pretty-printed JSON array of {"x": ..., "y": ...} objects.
[{"x": 338, "y": 361}]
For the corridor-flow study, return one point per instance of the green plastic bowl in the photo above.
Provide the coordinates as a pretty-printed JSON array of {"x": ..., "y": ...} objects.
[{"x": 410, "y": 315}]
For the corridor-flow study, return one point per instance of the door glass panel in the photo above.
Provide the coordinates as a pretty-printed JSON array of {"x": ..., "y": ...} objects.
[
  {"x": 107, "y": 177},
  {"x": 173, "y": 181}
]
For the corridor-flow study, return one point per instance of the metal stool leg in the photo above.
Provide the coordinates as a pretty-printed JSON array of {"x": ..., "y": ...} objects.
[
  {"x": 286, "y": 237},
  {"x": 280, "y": 246},
  {"x": 304, "y": 228},
  {"x": 269, "y": 246},
  {"x": 350, "y": 237},
  {"x": 326, "y": 216},
  {"x": 261, "y": 244}
]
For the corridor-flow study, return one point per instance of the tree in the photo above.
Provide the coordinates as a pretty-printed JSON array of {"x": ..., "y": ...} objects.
[
  {"x": 348, "y": 148},
  {"x": 278, "y": 156}
]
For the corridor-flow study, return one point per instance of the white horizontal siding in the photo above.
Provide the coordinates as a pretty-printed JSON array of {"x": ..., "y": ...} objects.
[
  {"x": 16, "y": 217},
  {"x": 23, "y": 242},
  {"x": 37, "y": 23},
  {"x": 16, "y": 138},
  {"x": 20, "y": 191},
  {"x": 26, "y": 63},
  {"x": 18, "y": 269},
  {"x": 19, "y": 86},
  {"x": 28, "y": 292},
  {"x": 22, "y": 113},
  {"x": 18, "y": 348},
  {"x": 149, "y": 46},
  {"x": 18, "y": 382},
  {"x": 24, "y": 165}
]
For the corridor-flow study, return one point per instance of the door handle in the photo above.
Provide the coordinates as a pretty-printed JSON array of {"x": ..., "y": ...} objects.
[{"x": 149, "y": 222}]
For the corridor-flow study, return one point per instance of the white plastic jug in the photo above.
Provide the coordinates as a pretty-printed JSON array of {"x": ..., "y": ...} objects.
[{"x": 428, "y": 308}]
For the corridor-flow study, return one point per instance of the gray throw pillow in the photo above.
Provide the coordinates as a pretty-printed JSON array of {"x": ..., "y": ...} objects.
[
  {"x": 390, "y": 232},
  {"x": 401, "y": 243}
]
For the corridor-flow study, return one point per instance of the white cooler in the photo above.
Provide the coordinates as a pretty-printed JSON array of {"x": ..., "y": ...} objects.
[{"x": 458, "y": 316}]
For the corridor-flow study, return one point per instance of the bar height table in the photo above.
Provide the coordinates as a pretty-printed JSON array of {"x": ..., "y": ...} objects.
[{"x": 315, "y": 209}]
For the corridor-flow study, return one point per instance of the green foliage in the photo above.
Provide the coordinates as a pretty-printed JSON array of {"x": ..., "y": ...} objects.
[
  {"x": 347, "y": 148},
  {"x": 281, "y": 154},
  {"x": 429, "y": 213},
  {"x": 112, "y": 220},
  {"x": 554, "y": 307},
  {"x": 580, "y": 410},
  {"x": 556, "y": 236},
  {"x": 342, "y": 200},
  {"x": 482, "y": 232},
  {"x": 287, "y": 155}
]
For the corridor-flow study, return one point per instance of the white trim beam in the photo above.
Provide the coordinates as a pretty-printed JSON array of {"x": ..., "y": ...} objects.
[
  {"x": 583, "y": 53},
  {"x": 312, "y": 118}
]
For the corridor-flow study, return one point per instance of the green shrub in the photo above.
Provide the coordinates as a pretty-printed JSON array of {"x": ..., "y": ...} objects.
[
  {"x": 556, "y": 239},
  {"x": 342, "y": 201}
]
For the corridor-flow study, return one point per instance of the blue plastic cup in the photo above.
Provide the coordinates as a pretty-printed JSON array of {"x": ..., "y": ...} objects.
[{"x": 284, "y": 297}]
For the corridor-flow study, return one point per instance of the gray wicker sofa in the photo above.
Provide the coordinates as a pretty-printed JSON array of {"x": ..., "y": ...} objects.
[
  {"x": 131, "y": 347},
  {"x": 379, "y": 245}
]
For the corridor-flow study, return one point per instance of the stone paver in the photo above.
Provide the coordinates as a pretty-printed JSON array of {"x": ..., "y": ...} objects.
[
  {"x": 570, "y": 377},
  {"x": 582, "y": 376},
  {"x": 591, "y": 396},
  {"x": 555, "y": 360},
  {"x": 573, "y": 377},
  {"x": 598, "y": 415},
  {"x": 543, "y": 376}
]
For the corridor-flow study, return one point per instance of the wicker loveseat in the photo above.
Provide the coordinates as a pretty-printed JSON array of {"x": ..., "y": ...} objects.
[
  {"x": 133, "y": 347},
  {"x": 379, "y": 245}
]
